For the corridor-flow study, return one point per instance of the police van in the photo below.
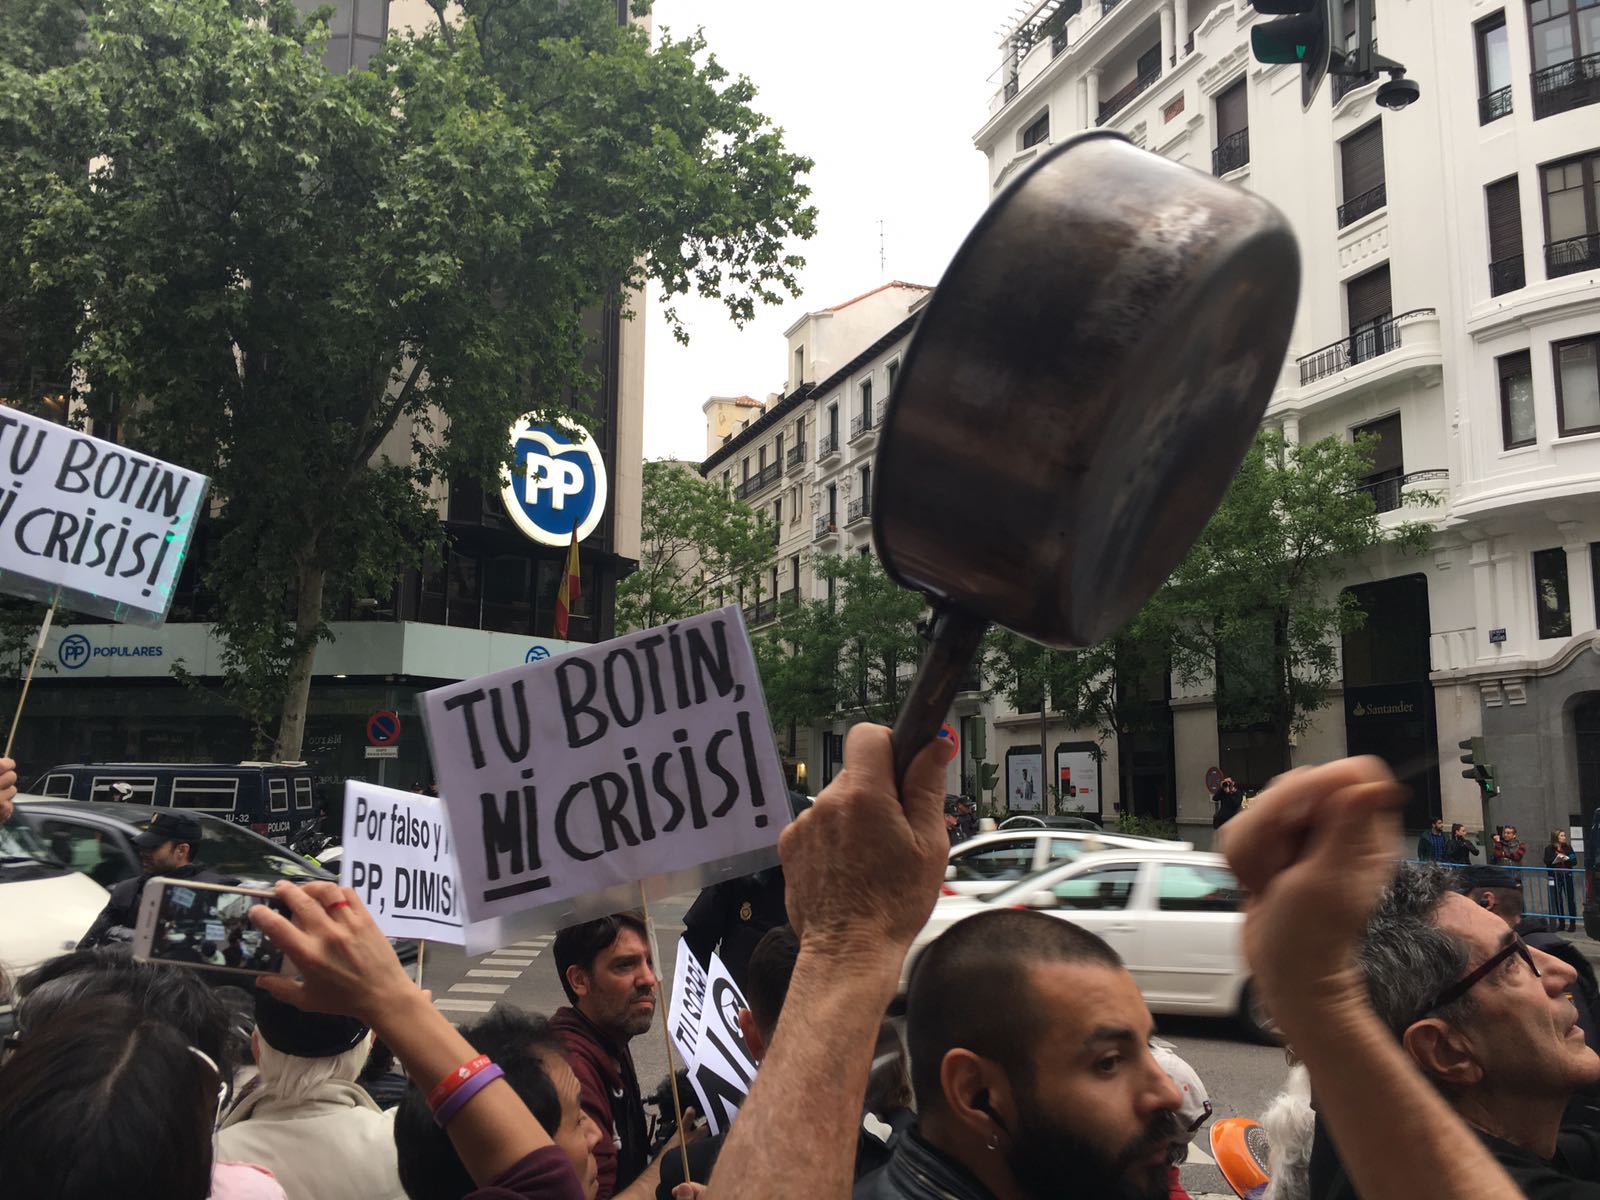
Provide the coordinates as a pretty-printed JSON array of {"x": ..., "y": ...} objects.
[{"x": 272, "y": 799}]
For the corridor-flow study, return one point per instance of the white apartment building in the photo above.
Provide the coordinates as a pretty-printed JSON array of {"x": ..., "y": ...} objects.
[
  {"x": 805, "y": 458},
  {"x": 1450, "y": 305}
]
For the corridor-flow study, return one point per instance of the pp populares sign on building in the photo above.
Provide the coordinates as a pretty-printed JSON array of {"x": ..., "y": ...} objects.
[
  {"x": 557, "y": 482},
  {"x": 99, "y": 526}
]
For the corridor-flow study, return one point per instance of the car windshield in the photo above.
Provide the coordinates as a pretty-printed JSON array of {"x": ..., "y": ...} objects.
[
  {"x": 19, "y": 844},
  {"x": 229, "y": 850},
  {"x": 1020, "y": 892}
]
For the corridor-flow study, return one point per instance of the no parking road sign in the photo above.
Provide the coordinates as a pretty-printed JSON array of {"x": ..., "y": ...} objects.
[{"x": 383, "y": 728}]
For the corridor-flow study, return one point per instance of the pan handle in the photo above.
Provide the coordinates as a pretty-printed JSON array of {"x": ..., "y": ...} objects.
[{"x": 956, "y": 636}]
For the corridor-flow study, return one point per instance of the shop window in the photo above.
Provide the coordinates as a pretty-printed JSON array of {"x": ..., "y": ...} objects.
[{"x": 1550, "y": 600}]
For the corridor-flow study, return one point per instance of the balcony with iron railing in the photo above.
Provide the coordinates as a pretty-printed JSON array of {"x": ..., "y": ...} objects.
[
  {"x": 762, "y": 612},
  {"x": 1232, "y": 152},
  {"x": 1507, "y": 275},
  {"x": 827, "y": 446},
  {"x": 795, "y": 456},
  {"x": 827, "y": 527},
  {"x": 789, "y": 599},
  {"x": 1388, "y": 489},
  {"x": 764, "y": 478},
  {"x": 1566, "y": 86},
  {"x": 1109, "y": 108},
  {"x": 858, "y": 510},
  {"x": 862, "y": 424},
  {"x": 1571, "y": 255},
  {"x": 1370, "y": 201},
  {"x": 1495, "y": 105},
  {"x": 1367, "y": 343}
]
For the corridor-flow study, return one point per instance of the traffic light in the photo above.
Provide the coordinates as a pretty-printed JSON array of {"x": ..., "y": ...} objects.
[
  {"x": 1479, "y": 770},
  {"x": 1303, "y": 34}
]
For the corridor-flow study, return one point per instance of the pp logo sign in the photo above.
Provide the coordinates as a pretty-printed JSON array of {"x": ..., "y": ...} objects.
[
  {"x": 73, "y": 651},
  {"x": 557, "y": 482}
]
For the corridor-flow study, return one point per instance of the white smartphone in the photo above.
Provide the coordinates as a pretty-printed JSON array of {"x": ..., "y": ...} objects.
[{"x": 205, "y": 925}]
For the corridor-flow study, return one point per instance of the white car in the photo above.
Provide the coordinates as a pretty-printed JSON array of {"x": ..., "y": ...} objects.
[
  {"x": 45, "y": 906},
  {"x": 992, "y": 862},
  {"x": 1174, "y": 916}
]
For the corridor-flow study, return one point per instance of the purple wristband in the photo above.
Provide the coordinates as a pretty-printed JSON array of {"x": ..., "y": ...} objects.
[{"x": 457, "y": 1099}]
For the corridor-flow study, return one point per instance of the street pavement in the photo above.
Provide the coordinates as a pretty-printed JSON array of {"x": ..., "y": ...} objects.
[{"x": 1240, "y": 1075}]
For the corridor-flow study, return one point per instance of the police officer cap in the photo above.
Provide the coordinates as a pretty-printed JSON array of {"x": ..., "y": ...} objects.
[
  {"x": 1470, "y": 879},
  {"x": 293, "y": 1031},
  {"x": 170, "y": 827}
]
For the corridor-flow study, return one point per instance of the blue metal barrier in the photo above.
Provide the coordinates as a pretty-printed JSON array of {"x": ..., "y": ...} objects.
[{"x": 1553, "y": 893}]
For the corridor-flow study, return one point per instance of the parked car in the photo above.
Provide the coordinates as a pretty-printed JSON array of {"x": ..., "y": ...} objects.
[
  {"x": 1061, "y": 821},
  {"x": 273, "y": 799},
  {"x": 96, "y": 839},
  {"x": 1175, "y": 917},
  {"x": 45, "y": 906},
  {"x": 991, "y": 862}
]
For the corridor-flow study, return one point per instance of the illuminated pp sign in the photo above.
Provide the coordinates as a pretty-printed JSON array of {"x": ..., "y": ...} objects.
[{"x": 557, "y": 482}]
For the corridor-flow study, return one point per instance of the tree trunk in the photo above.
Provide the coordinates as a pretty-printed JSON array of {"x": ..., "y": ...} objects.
[{"x": 297, "y": 688}]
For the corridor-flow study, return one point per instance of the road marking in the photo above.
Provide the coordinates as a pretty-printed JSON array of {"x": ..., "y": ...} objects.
[
  {"x": 497, "y": 961},
  {"x": 471, "y": 1006},
  {"x": 537, "y": 943},
  {"x": 486, "y": 989},
  {"x": 495, "y": 974}
]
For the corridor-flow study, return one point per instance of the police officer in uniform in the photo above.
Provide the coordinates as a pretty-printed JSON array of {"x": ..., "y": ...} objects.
[{"x": 167, "y": 848}]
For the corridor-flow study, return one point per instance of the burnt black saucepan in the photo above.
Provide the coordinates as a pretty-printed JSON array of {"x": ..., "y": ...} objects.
[{"x": 1079, "y": 393}]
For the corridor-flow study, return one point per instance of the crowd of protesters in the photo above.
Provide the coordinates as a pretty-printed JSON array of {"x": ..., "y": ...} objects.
[{"x": 1445, "y": 1054}]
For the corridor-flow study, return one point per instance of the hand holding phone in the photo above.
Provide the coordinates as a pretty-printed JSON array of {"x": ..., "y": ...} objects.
[{"x": 189, "y": 923}]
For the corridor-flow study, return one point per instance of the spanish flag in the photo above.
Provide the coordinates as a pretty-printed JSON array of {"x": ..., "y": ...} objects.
[{"x": 571, "y": 588}]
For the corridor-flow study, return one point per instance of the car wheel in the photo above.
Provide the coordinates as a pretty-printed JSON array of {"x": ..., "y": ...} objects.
[{"x": 1255, "y": 1019}]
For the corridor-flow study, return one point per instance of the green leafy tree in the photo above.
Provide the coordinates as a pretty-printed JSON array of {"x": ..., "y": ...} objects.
[
  {"x": 852, "y": 657},
  {"x": 698, "y": 549},
  {"x": 1258, "y": 603},
  {"x": 299, "y": 281}
]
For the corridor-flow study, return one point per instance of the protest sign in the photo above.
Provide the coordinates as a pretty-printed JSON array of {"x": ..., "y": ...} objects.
[
  {"x": 572, "y": 782},
  {"x": 97, "y": 526},
  {"x": 705, "y": 1030},
  {"x": 397, "y": 857}
]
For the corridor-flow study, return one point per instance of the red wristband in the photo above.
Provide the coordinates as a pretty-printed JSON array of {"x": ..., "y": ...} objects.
[{"x": 446, "y": 1086}]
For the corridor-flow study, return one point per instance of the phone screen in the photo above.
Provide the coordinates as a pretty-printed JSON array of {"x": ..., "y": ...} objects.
[{"x": 208, "y": 926}]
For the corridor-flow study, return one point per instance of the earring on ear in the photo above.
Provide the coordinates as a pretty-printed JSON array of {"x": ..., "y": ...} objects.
[{"x": 994, "y": 1141}]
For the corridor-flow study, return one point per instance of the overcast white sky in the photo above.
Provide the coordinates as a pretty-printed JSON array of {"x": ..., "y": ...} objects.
[{"x": 885, "y": 97}]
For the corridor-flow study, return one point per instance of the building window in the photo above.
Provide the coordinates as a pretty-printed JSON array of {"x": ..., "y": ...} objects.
[
  {"x": 1233, "y": 130},
  {"x": 1577, "y": 364},
  {"x": 1594, "y": 577},
  {"x": 761, "y": 459},
  {"x": 777, "y": 517},
  {"x": 794, "y": 566},
  {"x": 1386, "y": 475},
  {"x": 1361, "y": 161},
  {"x": 1516, "y": 399},
  {"x": 1571, "y": 222},
  {"x": 1503, "y": 207},
  {"x": 356, "y": 30},
  {"x": 1371, "y": 311},
  {"x": 799, "y": 431},
  {"x": 799, "y": 367},
  {"x": 892, "y": 372},
  {"x": 1037, "y": 132},
  {"x": 1550, "y": 593},
  {"x": 1565, "y": 37},
  {"x": 866, "y": 402},
  {"x": 1494, "y": 69},
  {"x": 833, "y": 504}
]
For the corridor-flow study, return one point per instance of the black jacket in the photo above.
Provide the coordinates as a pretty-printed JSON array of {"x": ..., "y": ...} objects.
[
  {"x": 732, "y": 916},
  {"x": 1460, "y": 850},
  {"x": 917, "y": 1171},
  {"x": 122, "y": 910}
]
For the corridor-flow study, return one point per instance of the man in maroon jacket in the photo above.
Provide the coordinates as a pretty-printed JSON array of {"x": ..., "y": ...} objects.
[{"x": 608, "y": 975}]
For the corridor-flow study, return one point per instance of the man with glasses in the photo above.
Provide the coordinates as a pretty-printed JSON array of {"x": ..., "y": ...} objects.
[{"x": 1489, "y": 1021}]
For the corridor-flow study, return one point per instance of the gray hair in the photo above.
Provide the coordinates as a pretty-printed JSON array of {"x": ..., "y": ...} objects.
[
  {"x": 1406, "y": 958},
  {"x": 292, "y": 1079}
]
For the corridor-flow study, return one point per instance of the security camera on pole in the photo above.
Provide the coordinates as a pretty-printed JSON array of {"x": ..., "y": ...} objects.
[{"x": 1304, "y": 35}]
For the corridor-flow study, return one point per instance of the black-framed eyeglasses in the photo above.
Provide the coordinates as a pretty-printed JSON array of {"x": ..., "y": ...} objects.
[{"x": 1459, "y": 989}]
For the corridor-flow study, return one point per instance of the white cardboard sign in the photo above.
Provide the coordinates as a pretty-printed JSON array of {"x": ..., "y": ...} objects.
[
  {"x": 397, "y": 856},
  {"x": 643, "y": 762},
  {"x": 705, "y": 1030},
  {"x": 100, "y": 525}
]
